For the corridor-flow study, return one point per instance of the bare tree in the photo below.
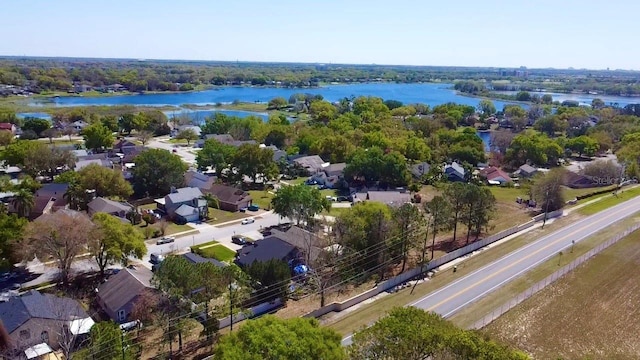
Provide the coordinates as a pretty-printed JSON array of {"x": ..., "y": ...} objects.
[
  {"x": 144, "y": 136},
  {"x": 500, "y": 140},
  {"x": 61, "y": 235}
]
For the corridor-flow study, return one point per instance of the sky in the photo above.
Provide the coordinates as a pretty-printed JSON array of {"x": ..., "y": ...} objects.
[{"x": 497, "y": 33}]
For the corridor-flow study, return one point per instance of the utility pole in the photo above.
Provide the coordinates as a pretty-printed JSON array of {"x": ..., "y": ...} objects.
[
  {"x": 231, "y": 304},
  {"x": 546, "y": 208},
  {"x": 123, "y": 348}
]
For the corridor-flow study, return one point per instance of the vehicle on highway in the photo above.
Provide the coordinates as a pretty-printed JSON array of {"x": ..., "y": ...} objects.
[
  {"x": 248, "y": 221},
  {"x": 166, "y": 240},
  {"x": 254, "y": 207},
  {"x": 156, "y": 258},
  {"x": 237, "y": 239}
]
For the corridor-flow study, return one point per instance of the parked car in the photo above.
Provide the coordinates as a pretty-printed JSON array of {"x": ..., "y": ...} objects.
[
  {"x": 254, "y": 207},
  {"x": 237, "y": 239},
  {"x": 343, "y": 198},
  {"x": 248, "y": 221},
  {"x": 243, "y": 209},
  {"x": 156, "y": 258},
  {"x": 166, "y": 240}
]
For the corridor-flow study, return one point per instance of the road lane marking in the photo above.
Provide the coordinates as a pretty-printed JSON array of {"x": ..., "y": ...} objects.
[{"x": 563, "y": 238}]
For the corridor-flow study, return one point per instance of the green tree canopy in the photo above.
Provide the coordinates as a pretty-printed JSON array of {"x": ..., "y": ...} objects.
[
  {"x": 156, "y": 171},
  {"x": 11, "y": 230},
  {"x": 97, "y": 137},
  {"x": 548, "y": 192},
  {"x": 216, "y": 155},
  {"x": 299, "y": 202},
  {"x": 251, "y": 160},
  {"x": 272, "y": 338},
  {"x": 114, "y": 241},
  {"x": 187, "y": 134},
  {"x": 106, "y": 182},
  {"x": 413, "y": 334},
  {"x": 273, "y": 277}
]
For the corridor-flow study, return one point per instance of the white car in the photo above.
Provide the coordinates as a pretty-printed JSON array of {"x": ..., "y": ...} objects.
[{"x": 248, "y": 221}]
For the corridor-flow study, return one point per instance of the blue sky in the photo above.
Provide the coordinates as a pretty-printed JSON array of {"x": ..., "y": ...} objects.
[{"x": 544, "y": 33}]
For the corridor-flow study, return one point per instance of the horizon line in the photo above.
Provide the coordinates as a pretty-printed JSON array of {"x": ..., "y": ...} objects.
[{"x": 308, "y": 63}]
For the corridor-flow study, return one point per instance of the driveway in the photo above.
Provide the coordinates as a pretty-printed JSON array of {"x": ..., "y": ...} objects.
[{"x": 221, "y": 233}]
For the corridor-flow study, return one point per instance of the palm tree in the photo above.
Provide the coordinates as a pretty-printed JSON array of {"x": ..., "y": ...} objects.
[
  {"x": 23, "y": 202},
  {"x": 75, "y": 196},
  {"x": 212, "y": 200}
]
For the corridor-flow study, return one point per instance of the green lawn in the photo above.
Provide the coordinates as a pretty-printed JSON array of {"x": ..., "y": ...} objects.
[
  {"x": 261, "y": 198},
  {"x": 297, "y": 181},
  {"x": 210, "y": 243},
  {"x": 217, "y": 216},
  {"x": 335, "y": 212},
  {"x": 506, "y": 194},
  {"x": 573, "y": 193},
  {"x": 218, "y": 252},
  {"x": 609, "y": 201},
  {"x": 172, "y": 228}
]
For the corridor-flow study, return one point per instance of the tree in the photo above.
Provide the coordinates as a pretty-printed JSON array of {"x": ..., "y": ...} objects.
[
  {"x": 51, "y": 133},
  {"x": 61, "y": 235},
  {"x": 114, "y": 241},
  {"x": 272, "y": 338},
  {"x": 455, "y": 194},
  {"x": 533, "y": 147},
  {"x": 417, "y": 150},
  {"x": 548, "y": 192},
  {"x": 479, "y": 210},
  {"x": 363, "y": 232},
  {"x": 500, "y": 140},
  {"x": 413, "y": 334},
  {"x": 106, "y": 182},
  {"x": 486, "y": 108},
  {"x": 547, "y": 99},
  {"x": 36, "y": 125},
  {"x": 11, "y": 230},
  {"x": 323, "y": 111},
  {"x": 406, "y": 219},
  {"x": 371, "y": 165},
  {"x": 144, "y": 136},
  {"x": 6, "y": 138},
  {"x": 299, "y": 202},
  {"x": 97, "y": 137},
  {"x": 156, "y": 171},
  {"x": 597, "y": 103},
  {"x": 603, "y": 172},
  {"x": 441, "y": 213},
  {"x": 550, "y": 125},
  {"x": 108, "y": 342},
  {"x": 277, "y": 103},
  {"x": 216, "y": 155},
  {"x": 583, "y": 145},
  {"x": 187, "y": 134},
  {"x": 23, "y": 201},
  {"x": 127, "y": 122},
  {"x": 273, "y": 276},
  {"x": 251, "y": 160},
  {"x": 523, "y": 96}
]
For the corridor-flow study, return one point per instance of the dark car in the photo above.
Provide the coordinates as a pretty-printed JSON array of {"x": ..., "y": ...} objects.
[
  {"x": 254, "y": 208},
  {"x": 166, "y": 240},
  {"x": 343, "y": 198},
  {"x": 237, "y": 239}
]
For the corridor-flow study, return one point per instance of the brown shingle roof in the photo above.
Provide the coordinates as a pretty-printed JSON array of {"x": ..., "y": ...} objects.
[
  {"x": 228, "y": 194},
  {"x": 124, "y": 287}
]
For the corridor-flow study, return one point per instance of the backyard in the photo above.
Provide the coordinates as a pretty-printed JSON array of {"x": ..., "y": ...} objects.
[
  {"x": 585, "y": 315},
  {"x": 262, "y": 198},
  {"x": 213, "y": 250}
]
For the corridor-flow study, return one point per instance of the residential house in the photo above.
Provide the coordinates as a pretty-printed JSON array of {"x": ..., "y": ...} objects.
[
  {"x": 419, "y": 170},
  {"x": 266, "y": 249},
  {"x": 115, "y": 208},
  {"x": 310, "y": 245},
  {"x": 80, "y": 88},
  {"x": 78, "y": 125},
  {"x": 13, "y": 172},
  {"x": 198, "y": 180},
  {"x": 84, "y": 163},
  {"x": 184, "y": 204},
  {"x": 495, "y": 176},
  {"x": 124, "y": 144},
  {"x": 80, "y": 153},
  {"x": 392, "y": 198},
  {"x": 50, "y": 197},
  {"x": 577, "y": 181},
  {"x": 331, "y": 176},
  {"x": 196, "y": 129},
  {"x": 229, "y": 197},
  {"x": 311, "y": 164},
  {"x": 8, "y": 127},
  {"x": 35, "y": 318},
  {"x": 277, "y": 153},
  {"x": 455, "y": 172},
  {"x": 197, "y": 259},
  {"x": 118, "y": 295},
  {"x": 526, "y": 171}
]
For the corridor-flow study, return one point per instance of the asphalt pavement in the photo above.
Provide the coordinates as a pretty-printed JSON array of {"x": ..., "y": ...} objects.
[{"x": 469, "y": 288}]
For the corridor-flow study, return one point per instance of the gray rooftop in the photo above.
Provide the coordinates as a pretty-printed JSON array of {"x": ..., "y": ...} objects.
[
  {"x": 197, "y": 259},
  {"x": 124, "y": 286},
  {"x": 184, "y": 194},
  {"x": 185, "y": 210},
  {"x": 394, "y": 198},
  {"x": 100, "y": 204},
  {"x": 33, "y": 304}
]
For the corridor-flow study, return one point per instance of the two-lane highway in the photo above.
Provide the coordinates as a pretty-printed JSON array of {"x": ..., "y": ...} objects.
[{"x": 471, "y": 287}]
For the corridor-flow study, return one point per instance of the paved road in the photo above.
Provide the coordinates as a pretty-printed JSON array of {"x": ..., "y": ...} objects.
[
  {"x": 221, "y": 234},
  {"x": 469, "y": 288},
  {"x": 182, "y": 150}
]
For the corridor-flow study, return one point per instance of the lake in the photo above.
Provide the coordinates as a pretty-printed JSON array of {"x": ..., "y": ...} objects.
[
  {"x": 584, "y": 99},
  {"x": 431, "y": 94}
]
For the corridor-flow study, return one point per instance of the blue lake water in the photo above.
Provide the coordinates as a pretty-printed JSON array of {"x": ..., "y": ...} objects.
[
  {"x": 431, "y": 94},
  {"x": 34, "y": 115},
  {"x": 198, "y": 116}
]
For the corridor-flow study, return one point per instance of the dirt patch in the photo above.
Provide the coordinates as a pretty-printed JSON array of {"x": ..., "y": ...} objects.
[{"x": 590, "y": 313}]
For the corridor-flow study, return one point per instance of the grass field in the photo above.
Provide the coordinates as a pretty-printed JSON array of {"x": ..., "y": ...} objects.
[
  {"x": 591, "y": 313},
  {"x": 609, "y": 201},
  {"x": 216, "y": 251},
  {"x": 217, "y": 216},
  {"x": 261, "y": 198}
]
